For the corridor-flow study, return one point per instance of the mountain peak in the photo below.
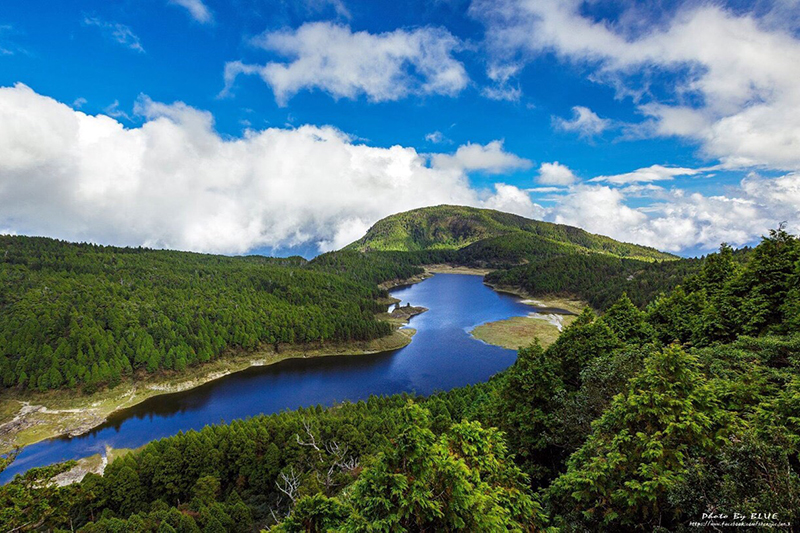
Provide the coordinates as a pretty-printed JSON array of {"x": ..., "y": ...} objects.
[{"x": 453, "y": 227}]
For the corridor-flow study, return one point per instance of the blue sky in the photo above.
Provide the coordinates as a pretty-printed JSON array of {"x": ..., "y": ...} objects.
[{"x": 479, "y": 99}]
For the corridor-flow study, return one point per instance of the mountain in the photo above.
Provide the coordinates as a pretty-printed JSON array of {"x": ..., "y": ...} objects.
[{"x": 449, "y": 227}]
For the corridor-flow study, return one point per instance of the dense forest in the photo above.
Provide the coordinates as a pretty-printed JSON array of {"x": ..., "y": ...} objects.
[
  {"x": 640, "y": 419},
  {"x": 84, "y": 315},
  {"x": 598, "y": 279}
]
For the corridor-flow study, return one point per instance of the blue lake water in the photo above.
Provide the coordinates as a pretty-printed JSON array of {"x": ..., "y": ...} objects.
[{"x": 442, "y": 356}]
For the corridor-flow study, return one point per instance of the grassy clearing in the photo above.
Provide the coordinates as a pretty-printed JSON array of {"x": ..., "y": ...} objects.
[
  {"x": 573, "y": 305},
  {"x": 570, "y": 304},
  {"x": 456, "y": 269},
  {"x": 521, "y": 331},
  {"x": 8, "y": 410}
]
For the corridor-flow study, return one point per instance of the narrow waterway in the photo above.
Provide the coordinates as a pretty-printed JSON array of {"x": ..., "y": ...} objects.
[{"x": 442, "y": 356}]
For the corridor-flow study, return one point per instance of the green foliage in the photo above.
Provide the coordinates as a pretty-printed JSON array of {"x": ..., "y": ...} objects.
[
  {"x": 454, "y": 227},
  {"x": 617, "y": 426},
  {"x": 627, "y": 322},
  {"x": 579, "y": 344},
  {"x": 601, "y": 380},
  {"x": 31, "y": 500},
  {"x": 748, "y": 474},
  {"x": 314, "y": 514},
  {"x": 461, "y": 481},
  {"x": 597, "y": 278},
  {"x": 766, "y": 281},
  {"x": 525, "y": 408},
  {"x": 86, "y": 315},
  {"x": 378, "y": 267},
  {"x": 639, "y": 448},
  {"x": 679, "y": 316}
]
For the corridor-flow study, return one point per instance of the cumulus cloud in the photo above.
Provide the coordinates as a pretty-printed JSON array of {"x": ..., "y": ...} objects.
[
  {"x": 346, "y": 64},
  {"x": 513, "y": 200},
  {"x": 174, "y": 182},
  {"x": 490, "y": 158},
  {"x": 196, "y": 8},
  {"x": 648, "y": 175},
  {"x": 584, "y": 122},
  {"x": 676, "y": 220},
  {"x": 731, "y": 76},
  {"x": 117, "y": 32},
  {"x": 555, "y": 174}
]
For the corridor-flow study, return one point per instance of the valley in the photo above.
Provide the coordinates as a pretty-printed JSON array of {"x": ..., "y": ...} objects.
[
  {"x": 151, "y": 360},
  {"x": 609, "y": 370}
]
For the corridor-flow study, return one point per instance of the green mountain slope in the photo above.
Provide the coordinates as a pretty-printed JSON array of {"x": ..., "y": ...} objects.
[
  {"x": 84, "y": 315},
  {"x": 448, "y": 227}
]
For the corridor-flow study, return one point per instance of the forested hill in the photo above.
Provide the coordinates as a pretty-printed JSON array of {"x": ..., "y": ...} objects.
[
  {"x": 80, "y": 315},
  {"x": 449, "y": 227},
  {"x": 539, "y": 258},
  {"x": 85, "y": 315},
  {"x": 638, "y": 420}
]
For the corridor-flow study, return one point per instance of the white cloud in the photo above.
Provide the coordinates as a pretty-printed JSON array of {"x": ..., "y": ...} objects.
[
  {"x": 513, "y": 200},
  {"x": 120, "y": 33},
  {"x": 174, "y": 182},
  {"x": 436, "y": 137},
  {"x": 232, "y": 71},
  {"x": 196, "y": 8},
  {"x": 648, "y": 175},
  {"x": 584, "y": 122},
  {"x": 781, "y": 195},
  {"x": 346, "y": 64},
  {"x": 555, "y": 174},
  {"x": 490, "y": 158},
  {"x": 678, "y": 220},
  {"x": 731, "y": 76},
  {"x": 599, "y": 210},
  {"x": 113, "y": 110},
  {"x": 544, "y": 190},
  {"x": 502, "y": 93},
  {"x": 502, "y": 89},
  {"x": 79, "y": 102},
  {"x": 347, "y": 231}
]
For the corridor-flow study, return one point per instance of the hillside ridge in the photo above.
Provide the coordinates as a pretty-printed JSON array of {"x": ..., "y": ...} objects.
[{"x": 452, "y": 227}]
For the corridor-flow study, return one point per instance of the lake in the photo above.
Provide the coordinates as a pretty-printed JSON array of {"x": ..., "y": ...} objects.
[{"x": 441, "y": 356}]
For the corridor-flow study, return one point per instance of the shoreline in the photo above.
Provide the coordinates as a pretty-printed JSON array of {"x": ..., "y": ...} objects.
[
  {"x": 546, "y": 322},
  {"x": 42, "y": 416},
  {"x": 546, "y": 304},
  {"x": 520, "y": 331},
  {"x": 430, "y": 270}
]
